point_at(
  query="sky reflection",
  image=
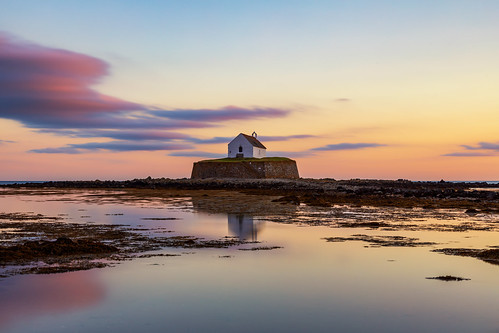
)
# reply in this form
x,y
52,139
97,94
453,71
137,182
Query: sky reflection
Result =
x,y
27,297
308,285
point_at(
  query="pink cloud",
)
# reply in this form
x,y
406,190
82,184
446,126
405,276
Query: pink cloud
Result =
x,y
226,113
46,87
52,90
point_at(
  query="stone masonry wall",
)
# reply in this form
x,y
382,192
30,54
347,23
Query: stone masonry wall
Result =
x,y
245,169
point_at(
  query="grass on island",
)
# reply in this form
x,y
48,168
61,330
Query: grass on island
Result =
x,y
251,159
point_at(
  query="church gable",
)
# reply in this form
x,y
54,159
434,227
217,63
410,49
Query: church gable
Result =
x,y
246,146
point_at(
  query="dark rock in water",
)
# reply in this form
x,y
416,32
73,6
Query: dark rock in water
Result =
x,y
396,241
262,248
373,225
292,199
249,168
472,211
61,247
317,200
488,255
448,278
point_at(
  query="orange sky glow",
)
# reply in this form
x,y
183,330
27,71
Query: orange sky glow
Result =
x,y
343,91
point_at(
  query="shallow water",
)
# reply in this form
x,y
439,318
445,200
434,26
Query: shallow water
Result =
x,y
307,285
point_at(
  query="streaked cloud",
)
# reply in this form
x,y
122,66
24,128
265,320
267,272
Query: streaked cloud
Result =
x,y
342,100
46,87
218,155
132,140
285,137
481,149
348,146
6,141
59,150
468,154
217,139
51,90
223,114
138,135
294,154
262,138
483,146
197,154
116,146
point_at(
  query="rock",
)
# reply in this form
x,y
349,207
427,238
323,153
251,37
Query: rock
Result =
x,y
488,255
292,199
447,278
63,246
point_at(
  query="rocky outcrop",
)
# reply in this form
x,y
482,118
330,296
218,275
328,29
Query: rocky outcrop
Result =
x,y
245,168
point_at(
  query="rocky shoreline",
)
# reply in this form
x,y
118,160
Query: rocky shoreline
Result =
x,y
475,196
381,205
39,244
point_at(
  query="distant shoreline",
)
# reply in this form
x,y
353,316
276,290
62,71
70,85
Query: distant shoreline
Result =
x,y
474,196
167,182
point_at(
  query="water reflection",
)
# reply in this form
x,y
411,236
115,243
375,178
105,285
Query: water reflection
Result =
x,y
24,297
343,286
244,227
217,202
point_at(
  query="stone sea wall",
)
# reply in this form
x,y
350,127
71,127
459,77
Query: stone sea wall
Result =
x,y
252,169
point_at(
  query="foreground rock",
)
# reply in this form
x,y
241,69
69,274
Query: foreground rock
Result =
x,y
448,278
388,241
63,246
488,255
475,197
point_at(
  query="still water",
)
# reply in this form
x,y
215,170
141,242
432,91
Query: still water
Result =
x,y
307,285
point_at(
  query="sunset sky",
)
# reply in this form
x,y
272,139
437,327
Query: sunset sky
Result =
x,y
350,89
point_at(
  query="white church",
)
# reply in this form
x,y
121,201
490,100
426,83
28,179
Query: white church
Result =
x,y
246,146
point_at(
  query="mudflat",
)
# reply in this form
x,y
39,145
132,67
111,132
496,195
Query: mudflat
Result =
x,y
475,196
37,243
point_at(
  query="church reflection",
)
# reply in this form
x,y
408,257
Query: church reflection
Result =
x,y
244,227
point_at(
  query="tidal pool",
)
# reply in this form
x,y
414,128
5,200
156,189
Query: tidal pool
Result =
x,y
301,283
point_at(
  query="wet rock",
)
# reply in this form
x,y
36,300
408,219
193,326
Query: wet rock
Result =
x,y
448,278
372,225
190,242
262,248
319,192
291,199
63,268
382,240
318,200
488,255
63,246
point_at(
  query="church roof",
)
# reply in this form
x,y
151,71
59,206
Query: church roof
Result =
x,y
254,141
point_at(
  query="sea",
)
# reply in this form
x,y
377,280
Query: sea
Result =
x,y
316,270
